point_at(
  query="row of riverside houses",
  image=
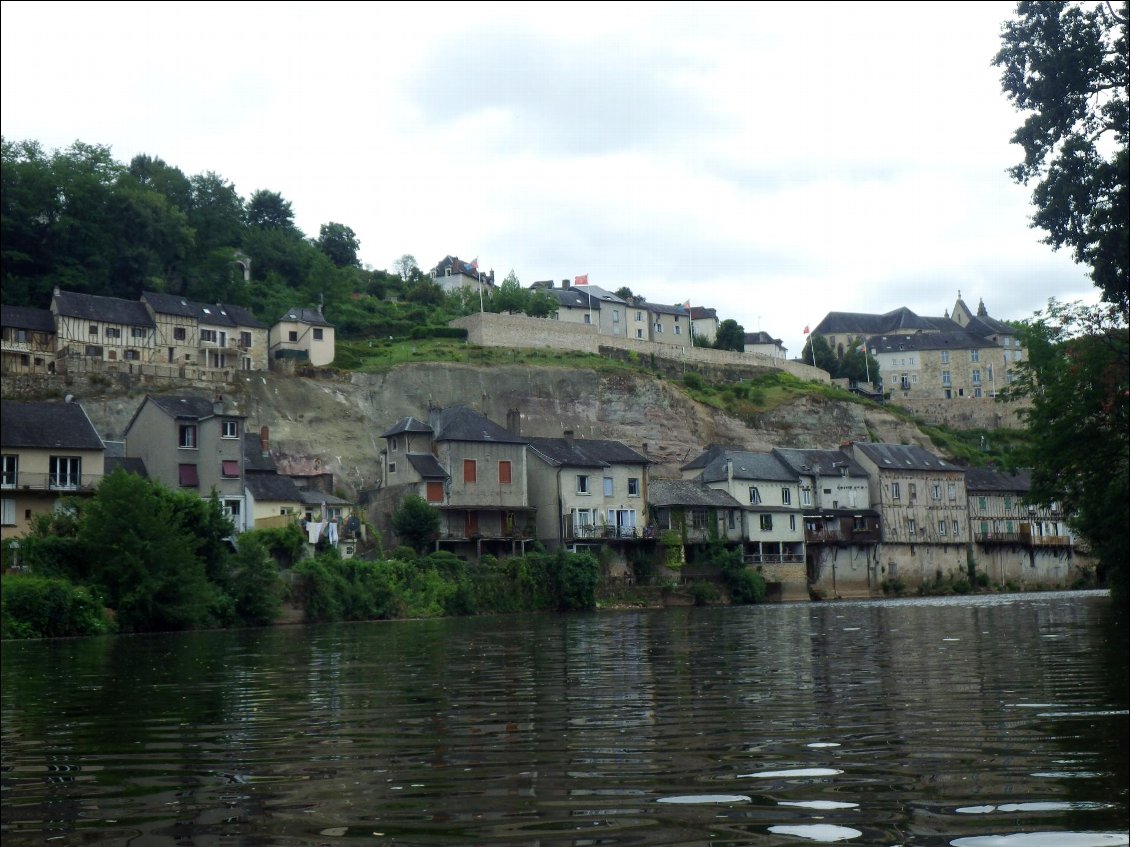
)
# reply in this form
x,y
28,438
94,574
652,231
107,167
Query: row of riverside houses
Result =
x,y
160,332
838,522
185,442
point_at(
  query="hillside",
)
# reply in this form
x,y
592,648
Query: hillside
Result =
x,y
334,424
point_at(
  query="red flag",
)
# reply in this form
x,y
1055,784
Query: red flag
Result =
x,y
583,279
687,305
806,330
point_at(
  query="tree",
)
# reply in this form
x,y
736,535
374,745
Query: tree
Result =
x,y
624,293
510,297
268,210
416,522
405,266
1077,380
731,336
825,357
1066,64
340,243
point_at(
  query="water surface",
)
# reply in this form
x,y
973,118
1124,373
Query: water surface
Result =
x,y
982,722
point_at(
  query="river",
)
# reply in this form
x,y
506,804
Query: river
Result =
x,y
978,722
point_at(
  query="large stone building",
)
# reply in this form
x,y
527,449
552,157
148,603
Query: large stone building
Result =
x,y
965,354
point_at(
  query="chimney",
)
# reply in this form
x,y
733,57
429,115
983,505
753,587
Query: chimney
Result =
x,y
568,435
218,404
729,470
565,283
265,441
514,422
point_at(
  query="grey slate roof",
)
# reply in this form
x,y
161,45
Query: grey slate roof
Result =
x,y
701,312
317,498
992,481
760,338
706,457
571,298
219,314
427,466
408,424
460,423
182,405
862,323
958,340
586,452
46,426
129,464
306,316
823,462
25,317
272,486
106,309
242,316
904,457
688,492
253,459
663,309
751,466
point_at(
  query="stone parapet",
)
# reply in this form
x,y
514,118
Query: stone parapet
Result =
x,y
491,330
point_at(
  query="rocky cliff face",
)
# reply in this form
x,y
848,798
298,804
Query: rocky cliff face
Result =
x,y
335,424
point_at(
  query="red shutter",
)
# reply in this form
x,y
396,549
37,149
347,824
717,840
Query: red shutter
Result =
x,y
470,472
504,472
435,492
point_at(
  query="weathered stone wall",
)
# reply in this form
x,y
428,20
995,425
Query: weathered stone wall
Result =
x,y
966,412
786,583
490,330
845,572
1024,567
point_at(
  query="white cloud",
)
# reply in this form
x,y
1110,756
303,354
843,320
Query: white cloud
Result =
x,y
775,161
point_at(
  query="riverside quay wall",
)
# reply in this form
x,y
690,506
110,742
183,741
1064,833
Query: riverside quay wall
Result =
x,y
491,330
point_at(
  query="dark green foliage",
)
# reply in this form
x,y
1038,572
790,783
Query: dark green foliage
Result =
x,y
731,336
1066,65
575,577
852,362
43,607
693,381
255,584
704,593
339,243
745,586
285,544
416,522
1077,379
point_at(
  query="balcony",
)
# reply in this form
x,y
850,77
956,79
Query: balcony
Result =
x,y
1024,538
593,532
61,483
774,559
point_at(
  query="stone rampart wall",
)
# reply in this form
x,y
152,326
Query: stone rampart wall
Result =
x,y
491,330
965,412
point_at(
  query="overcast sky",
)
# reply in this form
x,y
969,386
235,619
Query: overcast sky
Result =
x,y
775,161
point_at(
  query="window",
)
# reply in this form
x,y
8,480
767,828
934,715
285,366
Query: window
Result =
x,y
435,491
858,524
582,484
941,527
188,436
138,332
187,476
658,328
66,471
639,316
977,376
1008,504
392,467
786,497
974,355
318,334
639,333
633,486
945,357
949,394
113,332
292,335
806,496
94,351
92,330
678,329
588,317
229,468
10,470
615,316
912,490
731,520
981,503
766,523
946,380
977,391
608,486
698,518
911,527
8,512
179,333
470,471
131,356
792,522
951,490
229,429
233,508
393,444
504,472
956,528
245,340
896,493
208,336
936,491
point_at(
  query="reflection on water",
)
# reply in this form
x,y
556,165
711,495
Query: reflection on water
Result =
x,y
972,721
